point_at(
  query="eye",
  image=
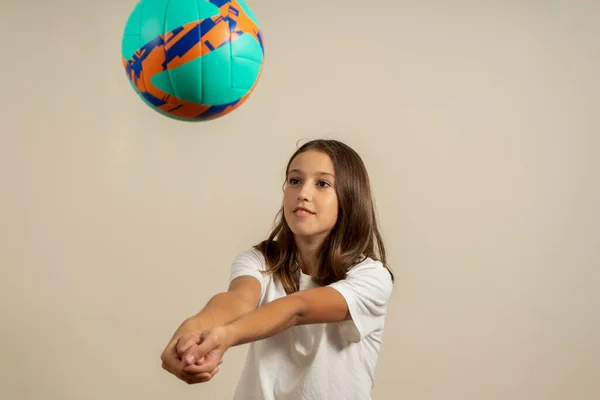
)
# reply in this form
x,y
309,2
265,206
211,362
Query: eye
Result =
x,y
324,184
293,181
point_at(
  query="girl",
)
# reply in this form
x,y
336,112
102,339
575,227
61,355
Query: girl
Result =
x,y
311,299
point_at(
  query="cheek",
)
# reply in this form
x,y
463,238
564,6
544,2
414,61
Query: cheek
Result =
x,y
289,201
332,206
288,197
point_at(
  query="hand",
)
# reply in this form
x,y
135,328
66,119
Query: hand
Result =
x,y
174,352
186,342
206,356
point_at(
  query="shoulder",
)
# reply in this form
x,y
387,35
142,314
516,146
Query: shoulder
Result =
x,y
367,289
371,270
251,257
248,262
368,278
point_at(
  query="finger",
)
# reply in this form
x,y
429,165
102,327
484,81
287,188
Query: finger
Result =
x,y
169,351
207,364
170,362
208,377
174,372
211,375
173,368
202,365
197,353
203,377
180,375
190,359
195,369
186,343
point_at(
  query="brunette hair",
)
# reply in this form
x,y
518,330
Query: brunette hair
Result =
x,y
355,235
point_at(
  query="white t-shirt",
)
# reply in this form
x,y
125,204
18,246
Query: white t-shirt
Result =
x,y
334,361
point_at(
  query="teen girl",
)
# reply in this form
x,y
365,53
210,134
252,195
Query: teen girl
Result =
x,y
310,300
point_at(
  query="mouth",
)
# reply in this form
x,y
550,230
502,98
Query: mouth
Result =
x,y
302,212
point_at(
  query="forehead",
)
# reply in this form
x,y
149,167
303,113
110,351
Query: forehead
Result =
x,y
312,162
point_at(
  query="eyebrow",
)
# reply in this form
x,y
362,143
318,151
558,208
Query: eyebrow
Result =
x,y
317,173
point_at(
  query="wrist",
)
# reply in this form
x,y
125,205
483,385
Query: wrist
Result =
x,y
230,336
188,326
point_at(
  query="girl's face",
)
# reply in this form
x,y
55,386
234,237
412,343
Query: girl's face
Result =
x,y
310,201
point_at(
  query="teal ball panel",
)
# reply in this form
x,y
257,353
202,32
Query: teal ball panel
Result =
x,y
193,59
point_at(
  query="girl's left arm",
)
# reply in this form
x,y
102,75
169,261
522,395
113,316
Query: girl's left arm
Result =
x,y
311,306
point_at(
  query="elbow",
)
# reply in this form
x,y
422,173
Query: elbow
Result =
x,y
300,310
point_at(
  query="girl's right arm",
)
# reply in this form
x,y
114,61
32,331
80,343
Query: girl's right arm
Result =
x,y
241,298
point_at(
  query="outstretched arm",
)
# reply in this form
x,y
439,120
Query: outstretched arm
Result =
x,y
240,299
319,305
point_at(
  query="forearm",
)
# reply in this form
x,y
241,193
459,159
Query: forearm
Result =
x,y
266,321
221,309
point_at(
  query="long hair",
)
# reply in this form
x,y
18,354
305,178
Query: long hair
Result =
x,y
354,236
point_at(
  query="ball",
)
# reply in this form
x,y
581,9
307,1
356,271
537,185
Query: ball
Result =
x,y
193,60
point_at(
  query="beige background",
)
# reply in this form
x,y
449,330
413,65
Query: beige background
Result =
x,y
478,122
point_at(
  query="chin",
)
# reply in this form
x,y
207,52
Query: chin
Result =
x,y
302,229
302,232
299,231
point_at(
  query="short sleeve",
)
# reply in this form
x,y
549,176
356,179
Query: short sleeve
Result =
x,y
367,289
251,262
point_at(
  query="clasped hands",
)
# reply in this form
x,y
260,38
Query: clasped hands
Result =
x,y
195,357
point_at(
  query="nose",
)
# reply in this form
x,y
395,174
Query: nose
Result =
x,y
304,194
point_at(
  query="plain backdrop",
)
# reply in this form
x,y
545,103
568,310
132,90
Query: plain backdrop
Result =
x,y
478,122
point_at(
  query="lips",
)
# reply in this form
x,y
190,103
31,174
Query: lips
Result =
x,y
302,210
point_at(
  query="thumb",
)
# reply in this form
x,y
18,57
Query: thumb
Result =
x,y
195,355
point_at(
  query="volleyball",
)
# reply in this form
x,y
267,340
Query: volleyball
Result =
x,y
193,60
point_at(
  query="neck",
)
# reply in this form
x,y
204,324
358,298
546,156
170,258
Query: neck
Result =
x,y
308,254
